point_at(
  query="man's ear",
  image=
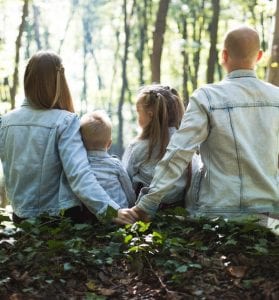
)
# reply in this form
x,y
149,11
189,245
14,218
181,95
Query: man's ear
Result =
x,y
225,56
259,55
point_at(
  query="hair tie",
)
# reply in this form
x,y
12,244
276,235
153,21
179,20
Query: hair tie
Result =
x,y
155,94
60,70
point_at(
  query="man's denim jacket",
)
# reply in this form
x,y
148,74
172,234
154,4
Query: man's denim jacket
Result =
x,y
235,126
45,163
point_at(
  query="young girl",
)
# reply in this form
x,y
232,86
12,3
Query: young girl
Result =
x,y
159,111
45,164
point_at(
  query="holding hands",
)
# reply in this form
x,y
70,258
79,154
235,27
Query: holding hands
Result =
x,y
131,215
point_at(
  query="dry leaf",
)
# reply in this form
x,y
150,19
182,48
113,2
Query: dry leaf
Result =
x,y
106,292
237,271
91,285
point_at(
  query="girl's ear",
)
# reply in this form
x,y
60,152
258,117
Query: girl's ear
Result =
x,y
150,114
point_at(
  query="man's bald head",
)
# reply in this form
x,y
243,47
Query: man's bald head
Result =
x,y
242,44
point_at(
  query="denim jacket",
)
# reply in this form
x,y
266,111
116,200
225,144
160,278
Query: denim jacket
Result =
x,y
235,123
141,171
112,177
45,163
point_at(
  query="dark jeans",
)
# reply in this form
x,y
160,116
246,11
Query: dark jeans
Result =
x,y
77,214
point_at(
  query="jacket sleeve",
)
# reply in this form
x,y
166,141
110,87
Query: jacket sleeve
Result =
x,y
77,169
130,160
127,185
183,144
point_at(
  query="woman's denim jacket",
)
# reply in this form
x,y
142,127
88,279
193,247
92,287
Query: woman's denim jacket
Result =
x,y
235,126
44,160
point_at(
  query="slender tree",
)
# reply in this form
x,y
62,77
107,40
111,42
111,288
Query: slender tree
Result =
x,y
198,28
142,35
273,67
185,56
74,6
158,40
124,87
18,45
36,25
213,56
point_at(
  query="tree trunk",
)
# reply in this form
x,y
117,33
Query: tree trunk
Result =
x,y
185,92
18,44
196,58
114,71
36,26
158,40
119,146
213,41
273,67
69,20
142,17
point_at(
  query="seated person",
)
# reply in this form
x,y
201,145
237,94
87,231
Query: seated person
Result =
x,y
96,135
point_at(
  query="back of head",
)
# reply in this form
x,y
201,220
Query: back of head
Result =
x,y
96,130
167,111
45,85
242,44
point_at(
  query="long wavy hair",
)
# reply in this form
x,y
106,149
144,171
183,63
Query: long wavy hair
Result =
x,y
167,111
45,85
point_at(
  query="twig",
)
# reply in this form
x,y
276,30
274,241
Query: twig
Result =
x,y
164,286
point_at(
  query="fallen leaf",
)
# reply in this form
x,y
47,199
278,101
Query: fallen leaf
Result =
x,y
91,285
106,292
237,271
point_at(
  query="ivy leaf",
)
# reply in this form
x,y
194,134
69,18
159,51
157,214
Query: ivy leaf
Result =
x,y
4,218
182,269
110,214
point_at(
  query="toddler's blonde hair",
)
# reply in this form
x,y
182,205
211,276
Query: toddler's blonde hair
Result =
x,y
96,130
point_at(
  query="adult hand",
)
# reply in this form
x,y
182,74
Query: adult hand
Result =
x,y
126,216
141,214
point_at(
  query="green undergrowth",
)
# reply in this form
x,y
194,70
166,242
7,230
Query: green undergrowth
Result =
x,y
41,256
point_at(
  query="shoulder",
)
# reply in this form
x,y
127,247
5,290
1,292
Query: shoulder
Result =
x,y
138,145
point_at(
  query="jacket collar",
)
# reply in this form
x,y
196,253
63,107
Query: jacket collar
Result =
x,y
99,153
25,102
241,73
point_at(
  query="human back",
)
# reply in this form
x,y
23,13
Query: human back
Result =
x,y
160,111
235,125
44,161
241,155
96,130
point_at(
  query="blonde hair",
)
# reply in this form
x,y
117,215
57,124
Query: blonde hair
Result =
x,y
167,109
45,85
95,130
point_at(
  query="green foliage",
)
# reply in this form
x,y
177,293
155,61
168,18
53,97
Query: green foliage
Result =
x,y
39,252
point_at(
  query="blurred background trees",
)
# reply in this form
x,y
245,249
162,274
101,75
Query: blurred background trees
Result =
x,y
111,48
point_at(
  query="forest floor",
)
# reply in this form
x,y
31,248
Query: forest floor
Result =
x,y
174,257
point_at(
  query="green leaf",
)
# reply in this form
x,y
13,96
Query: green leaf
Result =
x,y
55,245
182,269
128,238
67,267
110,214
4,218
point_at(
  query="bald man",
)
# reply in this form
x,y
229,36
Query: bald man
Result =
x,y
235,126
